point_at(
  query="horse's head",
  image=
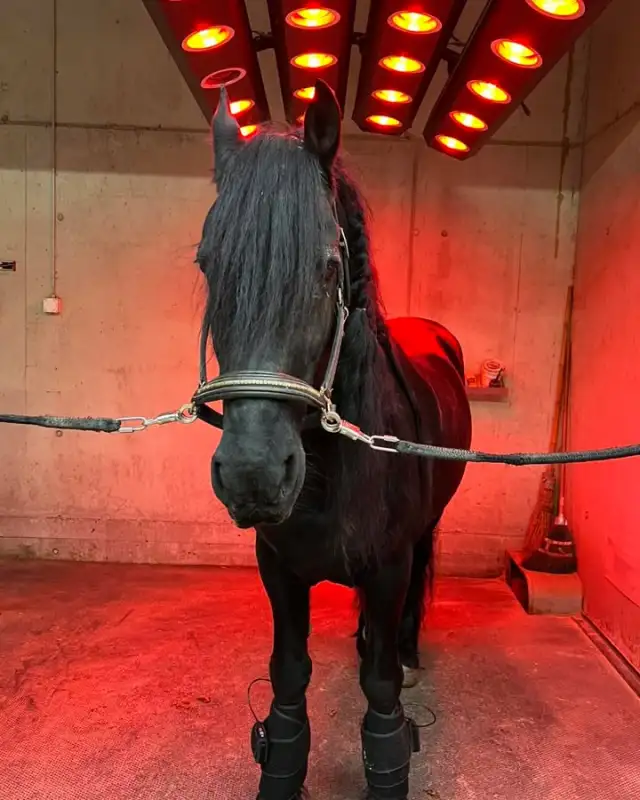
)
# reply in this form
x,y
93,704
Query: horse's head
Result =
x,y
271,254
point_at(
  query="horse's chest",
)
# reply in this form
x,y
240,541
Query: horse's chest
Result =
x,y
310,549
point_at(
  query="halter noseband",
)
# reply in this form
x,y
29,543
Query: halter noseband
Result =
x,y
263,385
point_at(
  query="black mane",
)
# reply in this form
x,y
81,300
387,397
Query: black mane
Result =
x,y
365,394
268,211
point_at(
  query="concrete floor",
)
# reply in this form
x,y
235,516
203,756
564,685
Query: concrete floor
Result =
x,y
121,682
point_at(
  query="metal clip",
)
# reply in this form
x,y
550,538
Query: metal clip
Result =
x,y
185,415
132,428
343,243
354,433
332,422
384,444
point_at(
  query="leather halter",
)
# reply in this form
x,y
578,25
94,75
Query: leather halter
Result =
x,y
261,385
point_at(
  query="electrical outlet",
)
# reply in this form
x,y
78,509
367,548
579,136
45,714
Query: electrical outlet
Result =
x,y
52,305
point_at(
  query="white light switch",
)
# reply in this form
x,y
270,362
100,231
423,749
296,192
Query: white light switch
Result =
x,y
52,305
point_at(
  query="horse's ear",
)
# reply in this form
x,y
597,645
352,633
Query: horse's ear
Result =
x,y
226,134
322,124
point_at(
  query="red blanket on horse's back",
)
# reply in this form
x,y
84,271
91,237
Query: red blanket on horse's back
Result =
x,y
430,359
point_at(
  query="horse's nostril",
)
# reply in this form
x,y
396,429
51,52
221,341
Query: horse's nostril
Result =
x,y
289,474
217,474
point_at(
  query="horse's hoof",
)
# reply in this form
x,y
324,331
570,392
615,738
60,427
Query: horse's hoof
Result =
x,y
410,677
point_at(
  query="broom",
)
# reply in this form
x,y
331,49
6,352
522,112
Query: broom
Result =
x,y
556,554
542,514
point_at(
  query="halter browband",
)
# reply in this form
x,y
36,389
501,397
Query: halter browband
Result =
x,y
263,385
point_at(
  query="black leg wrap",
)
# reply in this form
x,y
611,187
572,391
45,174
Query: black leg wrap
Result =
x,y
387,744
281,746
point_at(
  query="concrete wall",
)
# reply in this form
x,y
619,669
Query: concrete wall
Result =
x,y
486,247
604,504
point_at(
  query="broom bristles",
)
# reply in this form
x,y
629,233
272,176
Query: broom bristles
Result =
x,y
542,514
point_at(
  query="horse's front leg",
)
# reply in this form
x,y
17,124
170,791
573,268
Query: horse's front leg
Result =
x,y
283,757
388,739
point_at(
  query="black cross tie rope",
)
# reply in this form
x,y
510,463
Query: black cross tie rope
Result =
x,y
185,414
332,423
515,459
95,424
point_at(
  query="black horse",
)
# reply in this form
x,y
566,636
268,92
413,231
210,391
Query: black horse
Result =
x,y
284,243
